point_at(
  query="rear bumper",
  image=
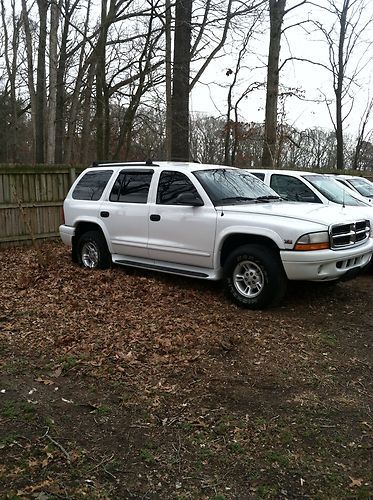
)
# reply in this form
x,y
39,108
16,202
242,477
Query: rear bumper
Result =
x,y
67,233
326,265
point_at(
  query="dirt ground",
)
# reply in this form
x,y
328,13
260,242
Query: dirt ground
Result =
x,y
125,384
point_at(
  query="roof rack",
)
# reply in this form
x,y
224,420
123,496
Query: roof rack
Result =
x,y
147,163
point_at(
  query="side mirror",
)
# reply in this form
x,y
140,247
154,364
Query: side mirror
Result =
x,y
189,199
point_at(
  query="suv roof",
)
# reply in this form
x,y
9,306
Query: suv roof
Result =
x,y
281,171
164,164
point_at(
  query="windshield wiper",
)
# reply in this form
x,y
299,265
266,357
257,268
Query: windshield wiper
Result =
x,y
268,198
237,198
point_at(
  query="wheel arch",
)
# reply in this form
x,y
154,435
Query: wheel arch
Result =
x,y
233,241
81,228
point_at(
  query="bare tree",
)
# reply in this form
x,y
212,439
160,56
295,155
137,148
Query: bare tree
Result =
x,y
180,91
211,33
11,45
277,12
342,39
168,75
51,125
41,83
363,134
30,70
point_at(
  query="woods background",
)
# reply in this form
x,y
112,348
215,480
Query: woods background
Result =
x,y
91,80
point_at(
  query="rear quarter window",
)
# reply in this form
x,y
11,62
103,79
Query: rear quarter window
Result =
x,y
92,185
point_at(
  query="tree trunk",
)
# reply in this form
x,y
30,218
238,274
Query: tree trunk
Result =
x,y
339,87
86,121
51,127
11,67
30,73
100,84
180,94
168,27
40,82
276,12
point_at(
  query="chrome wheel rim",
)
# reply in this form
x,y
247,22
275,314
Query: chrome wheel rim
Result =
x,y
90,256
248,279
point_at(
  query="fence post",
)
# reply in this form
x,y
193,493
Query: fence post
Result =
x,y
72,175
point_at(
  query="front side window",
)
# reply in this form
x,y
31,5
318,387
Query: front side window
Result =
x,y
333,190
131,187
292,189
173,184
92,185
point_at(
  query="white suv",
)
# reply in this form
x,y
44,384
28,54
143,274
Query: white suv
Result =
x,y
209,222
303,186
358,184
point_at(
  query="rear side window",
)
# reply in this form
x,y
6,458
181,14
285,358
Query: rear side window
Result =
x,y
92,185
132,187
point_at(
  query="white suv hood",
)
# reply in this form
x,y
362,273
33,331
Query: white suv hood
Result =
x,y
311,212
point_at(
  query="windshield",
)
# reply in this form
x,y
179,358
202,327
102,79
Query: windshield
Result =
x,y
333,190
364,186
226,186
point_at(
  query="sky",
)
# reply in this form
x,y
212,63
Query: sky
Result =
x,y
209,96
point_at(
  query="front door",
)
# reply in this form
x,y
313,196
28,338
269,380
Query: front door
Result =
x,y
181,233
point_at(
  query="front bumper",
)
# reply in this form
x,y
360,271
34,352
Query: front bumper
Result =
x,y
67,233
326,265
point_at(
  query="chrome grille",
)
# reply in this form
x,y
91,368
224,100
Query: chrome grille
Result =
x,y
347,235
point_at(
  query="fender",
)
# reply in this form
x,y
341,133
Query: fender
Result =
x,y
246,231
97,222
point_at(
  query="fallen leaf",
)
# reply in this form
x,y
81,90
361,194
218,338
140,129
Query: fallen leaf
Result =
x,y
355,482
44,381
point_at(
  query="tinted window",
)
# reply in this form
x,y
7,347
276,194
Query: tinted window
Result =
x,y
171,184
132,187
292,189
92,185
260,175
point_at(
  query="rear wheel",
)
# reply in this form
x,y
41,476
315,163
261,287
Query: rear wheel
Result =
x,y
254,277
92,251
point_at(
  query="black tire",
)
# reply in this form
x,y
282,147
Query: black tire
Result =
x,y
92,251
263,282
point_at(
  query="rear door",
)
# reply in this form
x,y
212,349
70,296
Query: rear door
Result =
x,y
126,212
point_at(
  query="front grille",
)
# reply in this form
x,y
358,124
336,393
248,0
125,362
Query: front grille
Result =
x,y
347,235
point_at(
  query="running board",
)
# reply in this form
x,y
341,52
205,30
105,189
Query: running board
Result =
x,y
165,269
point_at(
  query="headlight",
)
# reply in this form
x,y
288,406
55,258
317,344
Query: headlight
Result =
x,y
313,241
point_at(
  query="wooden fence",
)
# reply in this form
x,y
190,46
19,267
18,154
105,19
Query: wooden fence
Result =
x,y
31,199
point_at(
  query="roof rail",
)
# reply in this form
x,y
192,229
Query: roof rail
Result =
x,y
147,163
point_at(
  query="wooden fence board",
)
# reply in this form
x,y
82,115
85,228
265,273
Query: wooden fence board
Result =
x,y
39,191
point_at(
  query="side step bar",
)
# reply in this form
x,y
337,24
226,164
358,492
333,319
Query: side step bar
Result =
x,y
165,269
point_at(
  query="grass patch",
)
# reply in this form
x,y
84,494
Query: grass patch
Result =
x,y
18,410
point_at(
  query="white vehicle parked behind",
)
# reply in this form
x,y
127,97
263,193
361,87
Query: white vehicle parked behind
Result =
x,y
358,184
305,186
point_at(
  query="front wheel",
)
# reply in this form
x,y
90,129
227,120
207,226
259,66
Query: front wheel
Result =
x,y
92,251
254,277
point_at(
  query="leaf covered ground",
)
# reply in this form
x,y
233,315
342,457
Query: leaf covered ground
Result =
x,y
127,384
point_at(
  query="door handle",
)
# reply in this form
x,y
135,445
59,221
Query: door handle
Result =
x,y
104,214
155,217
